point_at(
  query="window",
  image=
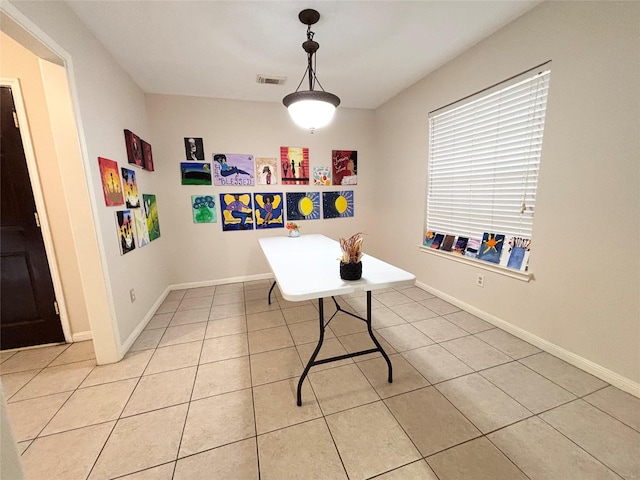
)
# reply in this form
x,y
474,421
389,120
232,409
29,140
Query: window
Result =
x,y
484,156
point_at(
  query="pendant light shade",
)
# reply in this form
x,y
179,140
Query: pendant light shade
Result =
x,y
311,108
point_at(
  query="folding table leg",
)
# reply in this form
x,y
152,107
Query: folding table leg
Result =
x,y
315,352
271,290
375,340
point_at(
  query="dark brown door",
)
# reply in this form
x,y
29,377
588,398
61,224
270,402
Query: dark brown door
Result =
x,y
28,316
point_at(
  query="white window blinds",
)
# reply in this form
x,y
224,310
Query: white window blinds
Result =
x,y
484,156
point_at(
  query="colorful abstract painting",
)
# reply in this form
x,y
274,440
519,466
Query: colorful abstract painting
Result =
x,y
337,204
269,210
237,211
134,149
111,186
126,231
322,176
204,209
460,246
141,227
303,205
267,170
131,197
294,164
428,238
195,173
491,247
151,212
437,241
232,169
194,149
515,253
344,167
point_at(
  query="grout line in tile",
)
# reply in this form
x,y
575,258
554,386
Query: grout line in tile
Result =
x,y
579,446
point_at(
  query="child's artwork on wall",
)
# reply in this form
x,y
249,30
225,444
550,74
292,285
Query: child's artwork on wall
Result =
x,y
344,166
473,245
267,171
428,238
126,233
194,149
437,241
337,204
237,211
322,176
269,210
111,186
141,227
491,247
233,169
131,197
134,149
195,173
204,209
460,246
516,253
303,205
151,212
147,156
294,163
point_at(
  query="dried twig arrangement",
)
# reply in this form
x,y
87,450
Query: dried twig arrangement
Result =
x,y
351,248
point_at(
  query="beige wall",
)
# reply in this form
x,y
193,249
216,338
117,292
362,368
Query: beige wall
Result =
x,y
204,252
18,62
584,299
585,295
106,101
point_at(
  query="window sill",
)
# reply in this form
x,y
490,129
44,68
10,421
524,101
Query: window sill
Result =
x,y
522,276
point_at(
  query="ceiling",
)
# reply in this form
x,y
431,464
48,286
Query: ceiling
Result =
x,y
369,50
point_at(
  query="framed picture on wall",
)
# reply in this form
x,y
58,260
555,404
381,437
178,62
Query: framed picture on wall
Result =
x,y
134,149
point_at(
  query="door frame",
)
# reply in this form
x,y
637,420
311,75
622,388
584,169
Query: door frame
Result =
x,y
36,188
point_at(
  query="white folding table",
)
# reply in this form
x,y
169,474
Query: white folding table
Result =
x,y
308,267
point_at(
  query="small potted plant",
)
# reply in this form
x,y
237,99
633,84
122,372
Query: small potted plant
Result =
x,y
293,229
350,262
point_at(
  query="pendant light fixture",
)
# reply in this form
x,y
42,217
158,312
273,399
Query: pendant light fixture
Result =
x,y
311,108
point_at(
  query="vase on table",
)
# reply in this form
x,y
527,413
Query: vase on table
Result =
x,y
294,233
351,271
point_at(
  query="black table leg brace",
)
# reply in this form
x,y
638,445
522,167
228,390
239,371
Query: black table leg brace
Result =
x,y
313,361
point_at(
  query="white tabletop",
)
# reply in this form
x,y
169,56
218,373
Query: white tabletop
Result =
x,y
308,267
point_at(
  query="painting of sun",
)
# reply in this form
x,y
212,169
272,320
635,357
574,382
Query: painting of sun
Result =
x,y
337,204
303,205
491,247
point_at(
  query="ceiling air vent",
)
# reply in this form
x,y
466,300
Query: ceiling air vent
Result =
x,y
270,80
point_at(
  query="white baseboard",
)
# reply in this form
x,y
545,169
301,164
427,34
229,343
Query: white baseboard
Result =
x,y
180,286
210,283
124,348
82,336
594,369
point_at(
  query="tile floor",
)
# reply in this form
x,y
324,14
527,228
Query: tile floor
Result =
x,y
208,392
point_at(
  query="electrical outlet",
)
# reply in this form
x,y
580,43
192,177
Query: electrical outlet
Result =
x,y
132,294
480,280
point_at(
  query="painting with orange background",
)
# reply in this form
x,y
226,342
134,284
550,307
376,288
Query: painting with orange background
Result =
x,y
111,186
294,165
